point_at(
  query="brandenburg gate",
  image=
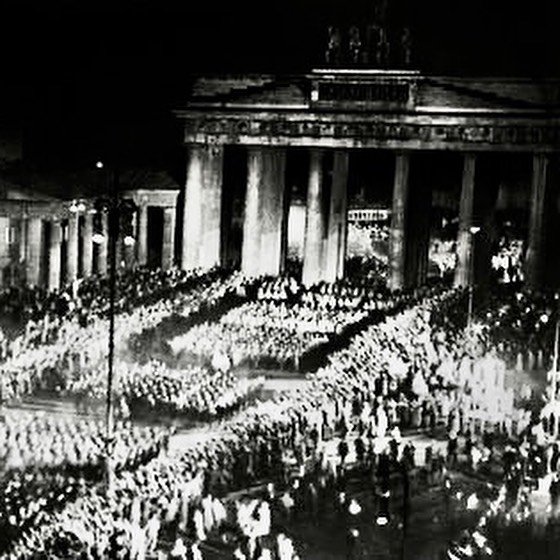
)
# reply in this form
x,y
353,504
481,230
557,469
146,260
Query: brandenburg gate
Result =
x,y
332,112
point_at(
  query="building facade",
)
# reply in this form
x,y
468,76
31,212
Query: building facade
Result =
x,y
331,114
50,241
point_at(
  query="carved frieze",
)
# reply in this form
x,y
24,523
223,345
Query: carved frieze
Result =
x,y
283,130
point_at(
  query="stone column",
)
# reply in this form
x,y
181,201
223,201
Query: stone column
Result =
x,y
272,211
103,246
192,209
142,237
250,252
87,251
418,232
168,246
55,256
315,221
128,251
535,257
423,248
336,231
128,255
211,199
398,231
72,248
23,238
34,251
202,209
465,241
4,245
264,211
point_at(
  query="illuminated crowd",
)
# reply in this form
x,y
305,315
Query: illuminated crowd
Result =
x,y
394,364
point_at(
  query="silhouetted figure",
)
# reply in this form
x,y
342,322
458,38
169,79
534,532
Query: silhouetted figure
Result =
x,y
355,45
406,48
332,55
382,49
380,11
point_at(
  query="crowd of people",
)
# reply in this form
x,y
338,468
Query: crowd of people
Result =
x,y
520,324
284,324
48,460
442,253
32,313
196,392
508,261
413,366
253,444
73,348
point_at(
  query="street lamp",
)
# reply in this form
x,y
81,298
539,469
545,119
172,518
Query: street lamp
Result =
x,y
120,214
129,241
554,372
473,230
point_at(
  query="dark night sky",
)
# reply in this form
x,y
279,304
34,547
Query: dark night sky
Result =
x,y
80,71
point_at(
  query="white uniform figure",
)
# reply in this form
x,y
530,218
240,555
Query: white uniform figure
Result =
x,y
264,517
382,422
199,526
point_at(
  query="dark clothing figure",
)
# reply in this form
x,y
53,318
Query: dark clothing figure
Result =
x,y
360,449
332,55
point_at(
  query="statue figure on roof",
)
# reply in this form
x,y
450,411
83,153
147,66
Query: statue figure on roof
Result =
x,y
406,48
355,45
380,12
332,54
382,49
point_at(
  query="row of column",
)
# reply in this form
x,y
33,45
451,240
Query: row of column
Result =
x,y
475,210
35,259
325,229
266,212
140,250
39,265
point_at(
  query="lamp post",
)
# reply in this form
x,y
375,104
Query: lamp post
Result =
x,y
554,373
119,213
473,230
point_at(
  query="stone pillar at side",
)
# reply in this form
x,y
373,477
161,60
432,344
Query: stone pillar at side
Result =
x,y
251,249
103,246
265,201
87,253
315,221
168,245
465,240
34,251
142,247
398,230
55,255
336,239
203,207
4,246
535,258
211,200
72,249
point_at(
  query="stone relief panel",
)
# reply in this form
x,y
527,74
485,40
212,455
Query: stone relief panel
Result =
x,y
283,130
